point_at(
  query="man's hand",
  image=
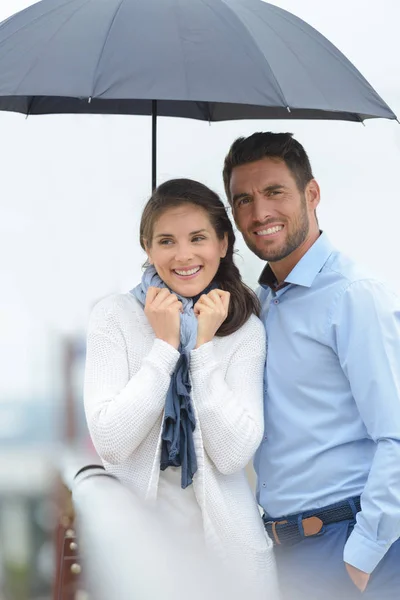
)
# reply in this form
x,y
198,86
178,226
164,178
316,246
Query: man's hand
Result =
x,y
359,578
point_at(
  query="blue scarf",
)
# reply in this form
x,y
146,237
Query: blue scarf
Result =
x,y
177,446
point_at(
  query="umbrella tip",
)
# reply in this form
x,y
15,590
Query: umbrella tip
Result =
x,y
288,109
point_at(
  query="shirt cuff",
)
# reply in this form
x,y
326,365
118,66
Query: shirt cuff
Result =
x,y
362,553
202,356
163,356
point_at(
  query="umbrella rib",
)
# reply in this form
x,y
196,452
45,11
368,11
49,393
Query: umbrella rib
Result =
x,y
327,47
104,46
29,8
205,109
258,50
294,54
176,13
30,22
49,40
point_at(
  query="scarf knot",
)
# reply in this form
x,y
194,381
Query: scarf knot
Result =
x,y
177,445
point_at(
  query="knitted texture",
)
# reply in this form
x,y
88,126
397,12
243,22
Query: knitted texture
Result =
x,y
177,447
127,377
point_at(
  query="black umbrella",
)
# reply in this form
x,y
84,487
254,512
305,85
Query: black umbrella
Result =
x,y
213,60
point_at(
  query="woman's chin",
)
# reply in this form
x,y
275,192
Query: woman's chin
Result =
x,y
189,288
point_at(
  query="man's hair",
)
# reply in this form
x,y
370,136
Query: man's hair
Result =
x,y
268,145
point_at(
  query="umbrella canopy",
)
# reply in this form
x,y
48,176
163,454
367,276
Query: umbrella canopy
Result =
x,y
204,59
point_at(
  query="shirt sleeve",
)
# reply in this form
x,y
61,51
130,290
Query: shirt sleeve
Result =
x,y
229,402
367,324
121,408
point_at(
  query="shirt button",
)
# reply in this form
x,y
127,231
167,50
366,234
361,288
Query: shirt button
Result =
x,y
264,484
276,301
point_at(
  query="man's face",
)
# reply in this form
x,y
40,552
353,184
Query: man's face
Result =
x,y
271,213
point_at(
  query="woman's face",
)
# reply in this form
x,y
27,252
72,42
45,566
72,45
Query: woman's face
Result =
x,y
185,249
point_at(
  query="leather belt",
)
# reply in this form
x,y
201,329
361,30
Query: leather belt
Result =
x,y
293,529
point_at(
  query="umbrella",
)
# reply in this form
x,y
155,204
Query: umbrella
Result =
x,y
213,60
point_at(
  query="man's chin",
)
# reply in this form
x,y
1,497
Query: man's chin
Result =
x,y
268,255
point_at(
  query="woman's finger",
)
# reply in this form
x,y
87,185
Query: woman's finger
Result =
x,y
180,306
225,299
168,301
216,298
163,294
207,301
152,292
203,307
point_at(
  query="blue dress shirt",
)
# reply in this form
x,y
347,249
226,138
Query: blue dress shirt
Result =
x,y
332,398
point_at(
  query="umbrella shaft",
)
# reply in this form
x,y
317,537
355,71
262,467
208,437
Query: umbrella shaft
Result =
x,y
154,145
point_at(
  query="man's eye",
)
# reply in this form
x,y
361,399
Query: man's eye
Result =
x,y
243,201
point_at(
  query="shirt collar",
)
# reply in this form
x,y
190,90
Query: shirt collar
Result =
x,y
306,269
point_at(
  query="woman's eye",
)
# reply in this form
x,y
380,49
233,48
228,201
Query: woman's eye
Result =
x,y
165,242
198,238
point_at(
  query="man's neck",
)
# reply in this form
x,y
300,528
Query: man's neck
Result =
x,y
282,268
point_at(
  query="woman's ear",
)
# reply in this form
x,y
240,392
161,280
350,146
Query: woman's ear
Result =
x,y
148,252
224,245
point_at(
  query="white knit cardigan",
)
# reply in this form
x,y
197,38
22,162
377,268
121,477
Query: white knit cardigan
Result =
x,y
127,377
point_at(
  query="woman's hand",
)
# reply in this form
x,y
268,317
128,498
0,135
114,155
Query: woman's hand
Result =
x,y
163,312
211,311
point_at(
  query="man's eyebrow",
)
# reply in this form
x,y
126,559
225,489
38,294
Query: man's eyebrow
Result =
x,y
273,187
269,188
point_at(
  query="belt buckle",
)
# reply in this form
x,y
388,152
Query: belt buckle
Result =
x,y
311,526
274,532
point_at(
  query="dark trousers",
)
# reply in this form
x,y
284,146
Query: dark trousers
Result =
x,y
313,569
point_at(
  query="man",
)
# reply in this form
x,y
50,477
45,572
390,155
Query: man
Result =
x,y
329,465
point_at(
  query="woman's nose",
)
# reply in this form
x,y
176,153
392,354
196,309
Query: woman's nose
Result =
x,y
184,253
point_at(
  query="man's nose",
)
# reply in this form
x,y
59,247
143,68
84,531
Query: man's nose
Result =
x,y
261,209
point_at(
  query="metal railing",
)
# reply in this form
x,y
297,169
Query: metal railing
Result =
x,y
110,546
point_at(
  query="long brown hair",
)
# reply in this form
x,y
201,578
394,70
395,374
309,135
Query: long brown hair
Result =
x,y
175,192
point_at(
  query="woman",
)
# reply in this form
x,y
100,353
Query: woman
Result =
x,y
174,379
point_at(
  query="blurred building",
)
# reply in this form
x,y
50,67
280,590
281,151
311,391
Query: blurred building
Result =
x,y
34,434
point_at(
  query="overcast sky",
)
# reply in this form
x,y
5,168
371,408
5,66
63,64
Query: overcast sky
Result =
x,y
72,188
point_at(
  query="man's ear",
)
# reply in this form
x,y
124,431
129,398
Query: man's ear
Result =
x,y
313,195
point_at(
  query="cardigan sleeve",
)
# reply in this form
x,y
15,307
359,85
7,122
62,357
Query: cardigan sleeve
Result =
x,y
229,402
122,408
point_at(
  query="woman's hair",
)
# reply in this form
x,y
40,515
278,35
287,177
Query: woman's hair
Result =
x,y
175,192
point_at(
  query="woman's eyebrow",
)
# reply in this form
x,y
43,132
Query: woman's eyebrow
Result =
x,y
172,235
